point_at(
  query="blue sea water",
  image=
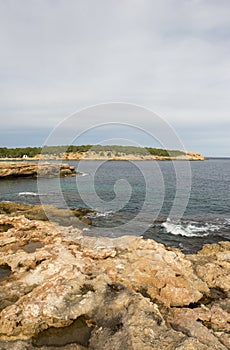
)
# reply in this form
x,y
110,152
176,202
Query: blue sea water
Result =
x,y
182,204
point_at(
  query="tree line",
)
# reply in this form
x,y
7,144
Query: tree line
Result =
x,y
30,152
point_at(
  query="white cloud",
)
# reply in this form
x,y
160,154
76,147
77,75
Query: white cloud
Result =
x,y
171,56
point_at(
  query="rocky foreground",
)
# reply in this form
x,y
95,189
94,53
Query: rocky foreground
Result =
x,y
61,289
25,169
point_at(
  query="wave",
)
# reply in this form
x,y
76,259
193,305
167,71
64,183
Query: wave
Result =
x,y
189,230
99,214
28,194
34,194
82,174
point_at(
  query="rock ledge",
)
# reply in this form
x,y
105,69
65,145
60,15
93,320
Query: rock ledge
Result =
x,y
25,169
69,291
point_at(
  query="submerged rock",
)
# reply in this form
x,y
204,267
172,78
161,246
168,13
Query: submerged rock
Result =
x,y
66,217
77,292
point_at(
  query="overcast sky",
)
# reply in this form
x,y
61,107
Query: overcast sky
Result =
x,y
170,56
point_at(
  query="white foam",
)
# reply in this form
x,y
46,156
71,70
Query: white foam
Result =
x,y
189,230
99,214
34,194
28,194
82,174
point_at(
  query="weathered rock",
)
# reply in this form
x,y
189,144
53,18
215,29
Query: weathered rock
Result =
x,y
71,291
212,264
25,169
191,324
112,155
66,217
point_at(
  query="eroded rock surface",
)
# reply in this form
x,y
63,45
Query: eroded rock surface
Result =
x,y
75,217
25,169
70,291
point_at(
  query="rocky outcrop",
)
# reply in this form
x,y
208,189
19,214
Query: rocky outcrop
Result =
x,y
69,291
78,218
25,169
194,156
110,155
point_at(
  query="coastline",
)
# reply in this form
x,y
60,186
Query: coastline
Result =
x,y
107,155
96,152
33,170
64,289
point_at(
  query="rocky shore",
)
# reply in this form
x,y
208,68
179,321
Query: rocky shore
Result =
x,y
62,289
26,169
78,218
92,155
109,155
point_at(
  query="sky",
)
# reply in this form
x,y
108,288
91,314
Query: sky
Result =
x,y
61,56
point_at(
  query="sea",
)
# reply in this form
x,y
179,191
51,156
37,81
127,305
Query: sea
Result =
x,y
183,204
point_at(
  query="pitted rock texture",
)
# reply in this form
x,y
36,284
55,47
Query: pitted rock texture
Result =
x,y
69,291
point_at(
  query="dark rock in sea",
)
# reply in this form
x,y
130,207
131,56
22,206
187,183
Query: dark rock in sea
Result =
x,y
66,217
74,292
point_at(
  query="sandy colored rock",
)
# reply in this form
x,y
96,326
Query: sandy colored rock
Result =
x,y
112,155
26,169
126,293
212,264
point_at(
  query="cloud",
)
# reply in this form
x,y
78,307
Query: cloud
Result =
x,y
170,56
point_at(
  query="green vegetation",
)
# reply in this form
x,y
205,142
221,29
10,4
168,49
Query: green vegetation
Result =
x,y
19,152
33,151
164,152
102,150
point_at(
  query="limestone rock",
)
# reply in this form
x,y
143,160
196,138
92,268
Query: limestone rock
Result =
x,y
66,217
212,264
69,291
25,169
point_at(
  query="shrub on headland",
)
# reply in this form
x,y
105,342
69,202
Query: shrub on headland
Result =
x,y
30,152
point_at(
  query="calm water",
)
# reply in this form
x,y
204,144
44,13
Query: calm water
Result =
x,y
152,199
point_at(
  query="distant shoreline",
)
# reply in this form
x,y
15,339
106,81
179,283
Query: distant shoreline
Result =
x,y
95,152
104,159
95,156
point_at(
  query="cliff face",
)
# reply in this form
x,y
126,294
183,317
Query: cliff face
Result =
x,y
195,156
110,155
25,169
59,288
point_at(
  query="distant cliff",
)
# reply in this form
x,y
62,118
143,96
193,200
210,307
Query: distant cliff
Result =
x,y
93,155
97,152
